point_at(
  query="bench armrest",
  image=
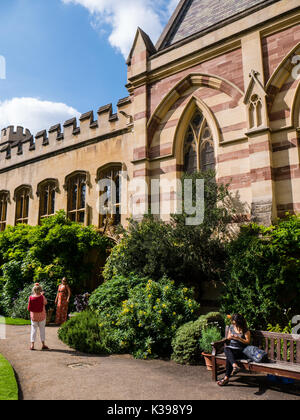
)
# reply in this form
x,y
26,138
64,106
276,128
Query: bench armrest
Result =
x,y
218,346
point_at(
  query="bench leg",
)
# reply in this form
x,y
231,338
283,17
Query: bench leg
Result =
x,y
214,369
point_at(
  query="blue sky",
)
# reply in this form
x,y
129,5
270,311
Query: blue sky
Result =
x,y
66,57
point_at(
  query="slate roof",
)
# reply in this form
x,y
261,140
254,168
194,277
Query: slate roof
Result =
x,y
194,16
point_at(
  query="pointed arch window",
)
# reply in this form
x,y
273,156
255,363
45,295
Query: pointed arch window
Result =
x,y
112,203
198,148
22,197
76,186
255,111
4,197
47,193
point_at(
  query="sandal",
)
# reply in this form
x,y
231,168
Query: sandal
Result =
x,y
223,382
45,348
236,371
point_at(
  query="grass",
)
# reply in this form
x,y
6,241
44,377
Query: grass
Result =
x,y
14,321
8,384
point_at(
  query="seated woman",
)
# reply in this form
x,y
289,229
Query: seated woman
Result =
x,y
239,337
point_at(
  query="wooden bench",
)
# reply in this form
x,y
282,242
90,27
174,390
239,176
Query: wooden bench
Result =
x,y
283,352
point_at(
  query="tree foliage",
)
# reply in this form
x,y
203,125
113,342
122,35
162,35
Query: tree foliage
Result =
x,y
186,344
142,315
58,248
189,254
263,273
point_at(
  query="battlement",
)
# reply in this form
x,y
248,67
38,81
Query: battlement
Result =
x,y
17,146
9,134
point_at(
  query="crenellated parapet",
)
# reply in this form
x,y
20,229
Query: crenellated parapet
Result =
x,y
12,140
20,145
10,135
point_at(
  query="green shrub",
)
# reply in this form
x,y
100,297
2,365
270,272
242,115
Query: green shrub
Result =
x,y
141,316
263,274
13,282
84,334
209,335
145,249
186,254
58,248
287,329
186,348
281,330
112,293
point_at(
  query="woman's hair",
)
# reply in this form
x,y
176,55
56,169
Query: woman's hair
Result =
x,y
65,279
240,322
37,289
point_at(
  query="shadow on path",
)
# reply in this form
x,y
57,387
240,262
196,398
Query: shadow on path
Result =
x,y
264,385
65,374
20,392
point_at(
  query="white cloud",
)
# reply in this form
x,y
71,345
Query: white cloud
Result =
x,y
172,6
124,16
34,114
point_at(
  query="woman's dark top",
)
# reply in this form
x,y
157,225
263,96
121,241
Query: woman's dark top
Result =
x,y
235,344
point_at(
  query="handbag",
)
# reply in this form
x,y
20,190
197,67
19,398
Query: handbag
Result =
x,y
255,354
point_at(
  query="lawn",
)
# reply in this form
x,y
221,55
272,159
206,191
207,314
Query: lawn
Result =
x,y
8,384
14,321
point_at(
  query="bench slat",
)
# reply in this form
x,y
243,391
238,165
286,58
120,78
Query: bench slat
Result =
x,y
285,355
266,345
292,351
272,343
278,349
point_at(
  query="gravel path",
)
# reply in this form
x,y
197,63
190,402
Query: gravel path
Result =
x,y
63,373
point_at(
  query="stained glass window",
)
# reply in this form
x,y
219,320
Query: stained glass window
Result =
x,y
198,146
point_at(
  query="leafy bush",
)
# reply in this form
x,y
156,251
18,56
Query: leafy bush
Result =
x,y
58,248
186,254
263,273
209,335
145,249
83,333
1,295
186,348
112,293
12,282
282,330
19,307
140,316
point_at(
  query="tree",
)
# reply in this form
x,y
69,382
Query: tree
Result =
x,y
58,248
263,274
189,254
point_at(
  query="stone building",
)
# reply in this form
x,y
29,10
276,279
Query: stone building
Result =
x,y
219,90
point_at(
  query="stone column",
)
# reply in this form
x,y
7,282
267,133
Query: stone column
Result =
x,y
263,206
138,87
